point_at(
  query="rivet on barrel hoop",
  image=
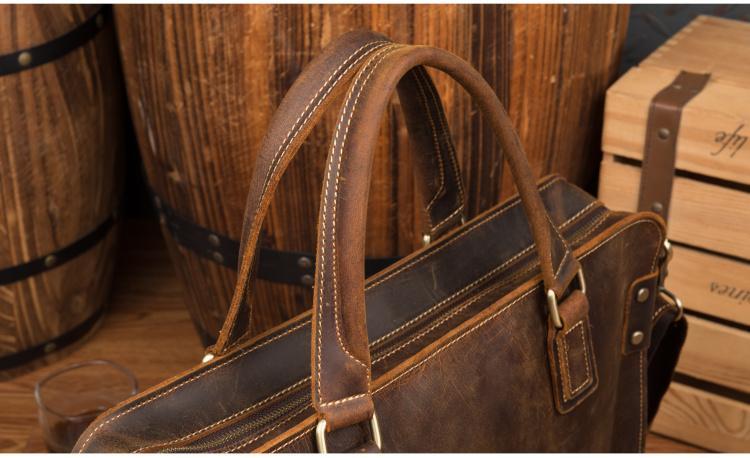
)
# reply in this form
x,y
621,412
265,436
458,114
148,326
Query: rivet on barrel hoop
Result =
x,y
306,280
50,260
213,239
217,257
50,347
24,59
304,262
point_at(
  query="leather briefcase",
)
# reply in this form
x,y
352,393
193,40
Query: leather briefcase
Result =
x,y
539,325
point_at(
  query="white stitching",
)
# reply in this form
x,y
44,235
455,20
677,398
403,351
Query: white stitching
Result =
x,y
449,344
223,420
435,325
293,439
375,45
483,322
491,317
475,282
379,55
469,228
254,228
191,379
572,390
269,430
454,312
451,154
436,143
592,250
403,345
344,400
565,246
448,140
501,311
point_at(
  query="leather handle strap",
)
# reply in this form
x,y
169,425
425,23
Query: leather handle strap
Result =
x,y
303,105
340,352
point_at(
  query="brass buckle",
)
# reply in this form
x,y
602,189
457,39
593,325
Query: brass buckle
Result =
x,y
554,312
675,301
320,433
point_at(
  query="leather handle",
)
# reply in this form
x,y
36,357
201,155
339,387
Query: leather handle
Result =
x,y
303,105
340,352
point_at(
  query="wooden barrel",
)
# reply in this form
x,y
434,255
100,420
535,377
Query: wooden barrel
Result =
x,y
61,97
203,82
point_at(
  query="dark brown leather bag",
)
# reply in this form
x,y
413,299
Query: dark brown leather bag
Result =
x,y
539,325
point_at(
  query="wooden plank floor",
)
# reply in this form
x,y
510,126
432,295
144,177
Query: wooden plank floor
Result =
x,y
147,329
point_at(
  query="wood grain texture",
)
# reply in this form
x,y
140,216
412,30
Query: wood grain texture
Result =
x,y
701,214
716,353
714,125
147,329
705,144
147,295
203,82
60,125
711,283
710,209
699,417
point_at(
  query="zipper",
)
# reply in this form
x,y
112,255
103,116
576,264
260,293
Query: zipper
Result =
x,y
489,291
236,434
242,431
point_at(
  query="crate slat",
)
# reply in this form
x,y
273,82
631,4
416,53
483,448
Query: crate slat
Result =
x,y
699,417
716,353
702,214
711,284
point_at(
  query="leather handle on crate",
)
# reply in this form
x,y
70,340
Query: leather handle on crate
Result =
x,y
303,105
660,150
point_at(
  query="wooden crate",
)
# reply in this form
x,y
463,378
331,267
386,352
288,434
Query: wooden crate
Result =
x,y
709,221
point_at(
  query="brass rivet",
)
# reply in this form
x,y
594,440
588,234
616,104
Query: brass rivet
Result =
x,y
217,257
306,280
24,59
642,295
50,347
99,21
636,338
657,207
304,262
426,239
50,260
213,239
207,357
663,133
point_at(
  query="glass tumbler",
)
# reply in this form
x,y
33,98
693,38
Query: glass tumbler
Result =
x,y
71,398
